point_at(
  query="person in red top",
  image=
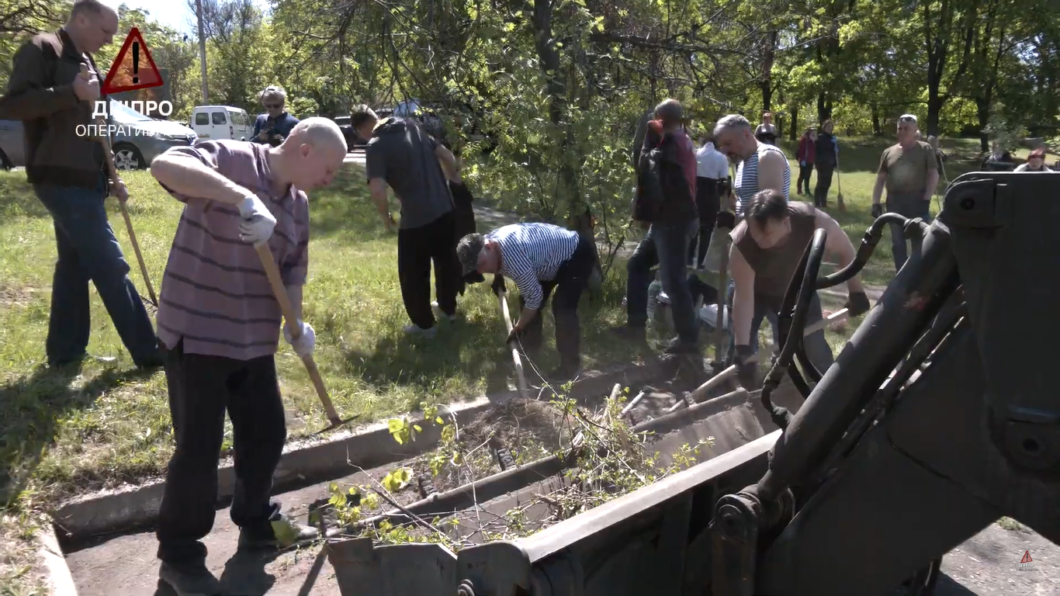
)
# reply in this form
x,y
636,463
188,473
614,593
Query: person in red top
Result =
x,y
671,232
805,155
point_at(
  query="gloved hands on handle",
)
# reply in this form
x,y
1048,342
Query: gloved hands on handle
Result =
x,y
857,304
303,346
257,222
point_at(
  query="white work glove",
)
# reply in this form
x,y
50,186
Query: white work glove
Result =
x,y
257,221
305,343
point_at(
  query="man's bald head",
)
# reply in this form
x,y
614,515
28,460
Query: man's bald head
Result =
x,y
92,24
671,113
313,153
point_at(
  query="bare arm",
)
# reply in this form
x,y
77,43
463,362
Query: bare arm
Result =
x,y
932,182
449,162
377,186
743,300
771,172
28,96
294,293
189,177
877,190
839,247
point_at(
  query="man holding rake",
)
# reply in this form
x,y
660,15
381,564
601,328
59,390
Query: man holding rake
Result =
x,y
219,321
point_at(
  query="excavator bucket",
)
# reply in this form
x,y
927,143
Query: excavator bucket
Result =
x,y
936,419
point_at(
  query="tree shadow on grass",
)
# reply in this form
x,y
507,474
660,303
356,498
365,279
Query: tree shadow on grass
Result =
x,y
17,198
30,409
345,211
461,354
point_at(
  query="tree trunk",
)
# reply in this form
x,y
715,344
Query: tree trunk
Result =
x,y
567,189
792,134
768,57
824,112
982,111
877,128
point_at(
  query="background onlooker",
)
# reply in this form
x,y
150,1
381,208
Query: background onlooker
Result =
x,y
806,155
766,131
1035,162
999,159
827,156
275,124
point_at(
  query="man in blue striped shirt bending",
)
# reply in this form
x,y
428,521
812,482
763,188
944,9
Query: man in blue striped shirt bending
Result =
x,y
539,258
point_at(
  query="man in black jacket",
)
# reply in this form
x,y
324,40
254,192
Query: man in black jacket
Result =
x,y
404,156
48,94
671,231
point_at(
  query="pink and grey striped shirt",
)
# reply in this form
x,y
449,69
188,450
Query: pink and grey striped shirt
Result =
x,y
215,296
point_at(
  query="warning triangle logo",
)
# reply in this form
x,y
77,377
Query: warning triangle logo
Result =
x,y
133,68
1026,558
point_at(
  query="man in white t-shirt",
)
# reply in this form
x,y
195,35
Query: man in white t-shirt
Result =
x,y
712,178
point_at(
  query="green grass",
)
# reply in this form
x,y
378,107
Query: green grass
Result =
x,y
69,432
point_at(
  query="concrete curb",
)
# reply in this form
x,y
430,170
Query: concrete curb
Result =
x,y
137,506
60,581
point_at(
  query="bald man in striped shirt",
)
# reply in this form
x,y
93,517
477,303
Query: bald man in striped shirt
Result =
x,y
220,323
539,258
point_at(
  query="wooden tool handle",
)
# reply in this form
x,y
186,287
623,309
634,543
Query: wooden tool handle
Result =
x,y
503,298
837,316
112,171
280,291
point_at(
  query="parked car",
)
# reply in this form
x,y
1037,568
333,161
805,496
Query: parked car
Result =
x,y
222,122
137,139
12,150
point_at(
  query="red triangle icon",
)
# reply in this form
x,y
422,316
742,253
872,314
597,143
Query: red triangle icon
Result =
x,y
1026,557
133,68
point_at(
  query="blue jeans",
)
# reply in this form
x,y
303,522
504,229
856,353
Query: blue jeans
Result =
x,y
817,347
910,206
88,250
667,246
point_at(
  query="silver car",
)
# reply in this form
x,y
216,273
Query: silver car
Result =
x,y
137,139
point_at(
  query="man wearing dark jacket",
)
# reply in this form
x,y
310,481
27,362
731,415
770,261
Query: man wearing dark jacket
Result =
x,y
402,155
671,231
827,157
48,94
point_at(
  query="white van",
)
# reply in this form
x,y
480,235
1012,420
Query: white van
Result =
x,y
222,122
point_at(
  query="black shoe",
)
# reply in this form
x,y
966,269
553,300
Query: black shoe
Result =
x,y
285,533
632,333
564,373
679,346
189,579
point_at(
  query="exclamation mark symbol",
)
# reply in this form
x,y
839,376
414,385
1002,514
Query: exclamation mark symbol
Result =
x,y
136,62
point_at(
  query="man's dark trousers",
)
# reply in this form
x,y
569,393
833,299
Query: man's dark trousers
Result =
x,y
417,248
817,348
824,184
201,389
88,250
708,201
907,205
571,279
665,244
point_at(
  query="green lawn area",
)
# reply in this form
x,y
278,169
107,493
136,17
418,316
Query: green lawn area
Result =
x,y
69,432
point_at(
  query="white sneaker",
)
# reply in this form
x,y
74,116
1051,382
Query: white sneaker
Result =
x,y
414,329
440,314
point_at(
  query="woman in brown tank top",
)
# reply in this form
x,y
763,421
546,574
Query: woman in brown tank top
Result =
x,y
766,249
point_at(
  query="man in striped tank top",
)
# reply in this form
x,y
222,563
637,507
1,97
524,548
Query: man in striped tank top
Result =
x,y
761,166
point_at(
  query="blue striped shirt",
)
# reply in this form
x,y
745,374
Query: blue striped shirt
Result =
x,y
746,183
532,253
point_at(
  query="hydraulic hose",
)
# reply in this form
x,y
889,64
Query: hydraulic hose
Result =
x,y
868,246
800,293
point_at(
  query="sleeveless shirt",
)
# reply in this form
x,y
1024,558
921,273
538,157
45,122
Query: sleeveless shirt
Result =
x,y
745,185
775,266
